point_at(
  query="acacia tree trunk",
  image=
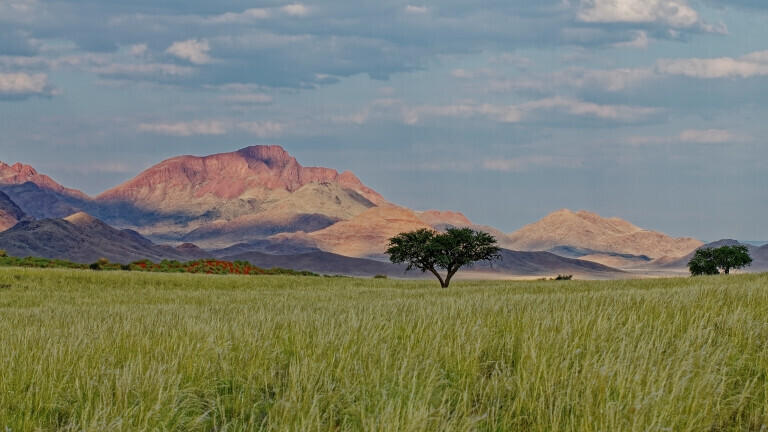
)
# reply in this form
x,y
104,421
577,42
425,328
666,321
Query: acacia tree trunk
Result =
x,y
449,276
443,283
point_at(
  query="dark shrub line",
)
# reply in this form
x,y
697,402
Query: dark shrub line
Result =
x,y
206,266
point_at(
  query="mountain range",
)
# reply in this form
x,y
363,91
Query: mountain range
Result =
x,y
260,201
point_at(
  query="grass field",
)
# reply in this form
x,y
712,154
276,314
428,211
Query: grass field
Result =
x,y
102,351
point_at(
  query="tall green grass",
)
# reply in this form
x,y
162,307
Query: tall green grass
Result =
x,y
96,351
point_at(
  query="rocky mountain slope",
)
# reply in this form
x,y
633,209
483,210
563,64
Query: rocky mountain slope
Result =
x,y
10,213
37,194
588,233
81,238
260,188
367,234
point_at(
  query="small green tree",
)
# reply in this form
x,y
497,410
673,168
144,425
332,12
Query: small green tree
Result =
x,y
709,261
428,250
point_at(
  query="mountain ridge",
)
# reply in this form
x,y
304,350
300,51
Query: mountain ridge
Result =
x,y
259,198
583,230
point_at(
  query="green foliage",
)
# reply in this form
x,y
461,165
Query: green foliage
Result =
x,y
380,276
3,253
709,261
116,351
428,250
564,277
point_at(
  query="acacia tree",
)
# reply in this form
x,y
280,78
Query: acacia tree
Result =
x,y
708,261
428,250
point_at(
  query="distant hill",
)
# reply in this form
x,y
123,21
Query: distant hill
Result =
x,y
367,234
325,263
513,263
10,213
37,194
545,264
81,238
584,233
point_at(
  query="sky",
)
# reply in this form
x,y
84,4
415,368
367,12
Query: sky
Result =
x,y
654,111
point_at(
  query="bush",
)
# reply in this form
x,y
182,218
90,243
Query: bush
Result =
x,y
564,277
380,276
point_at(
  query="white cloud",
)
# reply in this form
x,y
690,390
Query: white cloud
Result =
x,y
192,50
514,59
708,136
262,130
750,65
296,9
477,73
530,111
589,109
694,136
451,165
257,14
640,41
359,117
138,50
386,91
247,15
525,163
248,99
184,129
17,11
22,84
676,14
416,9
150,70
612,80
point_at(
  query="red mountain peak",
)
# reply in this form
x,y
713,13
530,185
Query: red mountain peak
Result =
x,y
20,173
251,172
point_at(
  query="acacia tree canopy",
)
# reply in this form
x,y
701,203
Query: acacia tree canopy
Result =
x,y
428,250
709,261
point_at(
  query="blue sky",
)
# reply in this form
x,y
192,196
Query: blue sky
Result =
x,y
650,110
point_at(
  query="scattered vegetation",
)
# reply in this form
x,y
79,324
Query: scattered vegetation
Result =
x,y
208,266
428,250
120,351
564,277
709,261
380,276
212,266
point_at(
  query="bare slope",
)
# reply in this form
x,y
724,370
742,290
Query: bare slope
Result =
x,y
81,238
367,234
590,232
10,213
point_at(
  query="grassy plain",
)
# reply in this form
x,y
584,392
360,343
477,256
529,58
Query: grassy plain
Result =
x,y
126,351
